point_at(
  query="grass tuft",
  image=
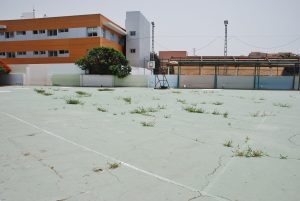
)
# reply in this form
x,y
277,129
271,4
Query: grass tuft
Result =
x,y
194,109
248,153
83,93
225,114
105,89
228,143
143,111
283,157
148,124
217,103
73,101
216,112
127,100
39,91
282,105
181,101
101,109
114,165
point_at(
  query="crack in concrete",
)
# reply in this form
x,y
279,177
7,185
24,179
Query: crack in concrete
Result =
x,y
291,141
195,197
219,165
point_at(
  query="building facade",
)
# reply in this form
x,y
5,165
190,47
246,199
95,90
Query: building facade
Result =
x,y
138,39
57,39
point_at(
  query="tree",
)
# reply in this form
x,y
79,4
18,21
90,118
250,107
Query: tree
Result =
x,y
4,68
105,61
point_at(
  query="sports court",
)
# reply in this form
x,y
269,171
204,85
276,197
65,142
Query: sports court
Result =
x,y
143,144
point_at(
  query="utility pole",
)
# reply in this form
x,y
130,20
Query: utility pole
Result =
x,y
225,42
153,25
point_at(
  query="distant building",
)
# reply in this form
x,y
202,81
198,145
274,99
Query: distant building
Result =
x,y
55,43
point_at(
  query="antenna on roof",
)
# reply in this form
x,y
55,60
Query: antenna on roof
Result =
x,y
33,12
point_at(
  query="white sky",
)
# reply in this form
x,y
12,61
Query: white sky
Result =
x,y
254,25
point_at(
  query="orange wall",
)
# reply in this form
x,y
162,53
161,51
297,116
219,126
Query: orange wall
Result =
x,y
77,47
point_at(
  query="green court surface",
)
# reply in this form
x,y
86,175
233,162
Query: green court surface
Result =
x,y
142,144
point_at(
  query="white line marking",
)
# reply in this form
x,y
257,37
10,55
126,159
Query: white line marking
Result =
x,y
103,155
161,178
5,91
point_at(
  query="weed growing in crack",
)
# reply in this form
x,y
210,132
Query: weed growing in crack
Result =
x,y
225,114
216,112
148,124
127,100
83,94
39,91
217,103
228,143
155,98
249,153
193,109
247,139
161,107
73,101
143,111
101,109
282,105
43,92
176,92
182,101
114,165
105,89
283,157
260,114
167,116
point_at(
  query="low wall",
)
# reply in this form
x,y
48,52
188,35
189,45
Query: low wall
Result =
x,y
132,81
65,80
11,79
195,81
275,82
235,82
97,80
297,83
172,80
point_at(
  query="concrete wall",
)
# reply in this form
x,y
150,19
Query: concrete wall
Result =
x,y
12,79
275,82
96,80
132,81
195,81
235,82
65,80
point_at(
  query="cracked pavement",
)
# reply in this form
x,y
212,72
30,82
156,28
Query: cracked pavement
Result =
x,y
51,154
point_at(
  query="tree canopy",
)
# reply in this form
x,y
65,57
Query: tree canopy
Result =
x,y
4,68
105,61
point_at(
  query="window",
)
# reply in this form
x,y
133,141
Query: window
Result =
x,y
11,55
2,53
42,31
35,52
104,33
1,33
92,31
21,53
9,34
42,52
132,50
132,33
63,30
122,41
52,32
35,32
63,51
52,53
21,32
